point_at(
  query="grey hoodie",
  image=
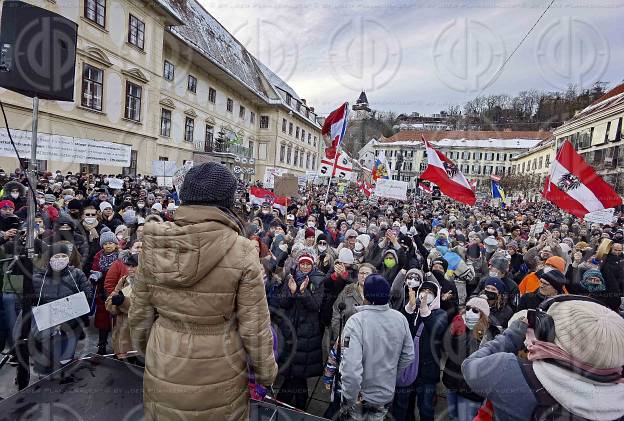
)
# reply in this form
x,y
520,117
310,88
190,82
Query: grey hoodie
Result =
x,y
376,345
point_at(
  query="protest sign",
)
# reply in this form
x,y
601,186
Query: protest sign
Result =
x,y
115,183
286,185
603,216
269,176
391,189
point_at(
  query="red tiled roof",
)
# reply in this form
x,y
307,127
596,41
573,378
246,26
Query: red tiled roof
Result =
x,y
408,135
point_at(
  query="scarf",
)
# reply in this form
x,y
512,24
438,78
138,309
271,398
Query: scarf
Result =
x,y
106,260
539,350
93,234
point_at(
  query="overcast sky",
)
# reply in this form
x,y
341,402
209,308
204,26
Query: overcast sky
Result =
x,y
423,56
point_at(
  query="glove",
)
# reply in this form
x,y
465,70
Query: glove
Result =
x,y
95,276
118,299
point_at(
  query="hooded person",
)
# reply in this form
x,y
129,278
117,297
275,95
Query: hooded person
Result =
x,y
500,312
403,282
552,282
449,298
592,285
426,319
213,319
391,264
574,371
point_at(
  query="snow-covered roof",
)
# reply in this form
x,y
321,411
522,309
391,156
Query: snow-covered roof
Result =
x,y
277,81
202,31
470,143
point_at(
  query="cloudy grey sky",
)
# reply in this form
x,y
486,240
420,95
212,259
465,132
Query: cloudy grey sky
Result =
x,y
425,55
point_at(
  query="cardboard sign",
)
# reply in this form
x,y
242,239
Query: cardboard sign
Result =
x,y
286,185
603,216
269,176
60,311
391,189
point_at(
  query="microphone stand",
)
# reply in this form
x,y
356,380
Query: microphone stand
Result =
x,y
341,308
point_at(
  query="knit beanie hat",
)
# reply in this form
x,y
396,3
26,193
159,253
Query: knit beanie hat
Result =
x,y
321,237
589,332
376,290
513,244
129,217
440,261
305,258
593,273
346,256
310,232
107,236
157,207
120,228
209,184
556,262
74,204
500,285
554,277
481,304
105,205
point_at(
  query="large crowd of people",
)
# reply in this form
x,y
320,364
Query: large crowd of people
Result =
x,y
511,310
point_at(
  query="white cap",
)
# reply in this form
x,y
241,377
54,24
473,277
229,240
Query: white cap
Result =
x,y
346,256
105,205
157,206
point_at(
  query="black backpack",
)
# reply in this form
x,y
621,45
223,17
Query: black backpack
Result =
x,y
547,408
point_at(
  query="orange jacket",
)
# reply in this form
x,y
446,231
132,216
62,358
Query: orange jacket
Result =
x,y
530,283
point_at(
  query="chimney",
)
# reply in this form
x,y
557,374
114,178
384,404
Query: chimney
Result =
x,y
311,109
303,101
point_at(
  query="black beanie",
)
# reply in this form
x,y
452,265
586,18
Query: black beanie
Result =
x,y
209,184
376,290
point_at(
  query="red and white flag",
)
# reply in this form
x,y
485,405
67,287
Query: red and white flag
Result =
x,y
341,166
366,187
258,196
334,129
447,176
425,188
575,187
473,184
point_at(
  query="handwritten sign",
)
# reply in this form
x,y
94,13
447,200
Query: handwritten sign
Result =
x,y
269,176
603,216
115,183
391,189
60,311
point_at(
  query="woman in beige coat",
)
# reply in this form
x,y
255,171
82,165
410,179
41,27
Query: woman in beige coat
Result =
x,y
204,280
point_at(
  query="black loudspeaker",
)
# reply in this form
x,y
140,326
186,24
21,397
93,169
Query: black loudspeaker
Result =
x,y
37,52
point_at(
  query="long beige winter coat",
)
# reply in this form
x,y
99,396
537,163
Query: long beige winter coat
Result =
x,y
204,280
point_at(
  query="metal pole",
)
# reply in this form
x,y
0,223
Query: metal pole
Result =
x,y
22,351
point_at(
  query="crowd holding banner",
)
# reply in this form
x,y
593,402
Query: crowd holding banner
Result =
x,y
387,296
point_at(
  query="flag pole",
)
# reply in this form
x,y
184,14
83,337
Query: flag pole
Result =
x,y
342,133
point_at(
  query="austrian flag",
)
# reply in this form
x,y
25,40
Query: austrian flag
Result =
x,y
447,176
258,196
575,187
334,129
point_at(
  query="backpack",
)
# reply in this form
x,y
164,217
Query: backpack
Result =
x,y
409,374
547,408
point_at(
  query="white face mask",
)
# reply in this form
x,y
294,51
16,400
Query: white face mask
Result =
x,y
59,263
322,248
311,224
471,319
90,220
494,274
14,195
430,298
141,205
41,201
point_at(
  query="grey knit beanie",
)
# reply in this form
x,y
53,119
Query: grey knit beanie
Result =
x,y
107,236
209,184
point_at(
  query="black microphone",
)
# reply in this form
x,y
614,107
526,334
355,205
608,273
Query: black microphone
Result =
x,y
341,307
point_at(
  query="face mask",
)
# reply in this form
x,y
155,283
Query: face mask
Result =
x,y
14,195
58,263
141,205
41,201
490,231
494,274
350,221
390,263
265,212
430,298
413,283
322,248
491,296
311,224
90,220
66,235
120,237
471,319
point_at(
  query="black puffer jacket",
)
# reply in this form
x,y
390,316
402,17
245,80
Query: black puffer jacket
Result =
x,y
613,272
300,330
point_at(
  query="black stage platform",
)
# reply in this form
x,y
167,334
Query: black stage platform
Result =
x,y
103,389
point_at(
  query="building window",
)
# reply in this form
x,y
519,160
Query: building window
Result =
x,y
297,133
301,159
136,32
314,161
132,169
95,11
284,123
92,87
282,152
90,168
296,160
302,135
133,101
191,83
298,106
252,117
289,154
212,95
309,138
308,160
290,129
168,71
229,106
251,148
241,112
264,121
209,138
163,158
307,113
189,127
165,122
314,144
541,161
288,98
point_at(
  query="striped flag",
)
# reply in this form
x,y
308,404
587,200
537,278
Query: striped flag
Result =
x,y
575,187
334,129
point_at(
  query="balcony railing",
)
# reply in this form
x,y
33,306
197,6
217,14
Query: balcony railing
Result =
x,y
219,147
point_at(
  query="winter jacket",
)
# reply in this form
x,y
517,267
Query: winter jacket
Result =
x,y
114,274
301,355
430,346
204,280
121,339
458,343
613,272
376,345
351,298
